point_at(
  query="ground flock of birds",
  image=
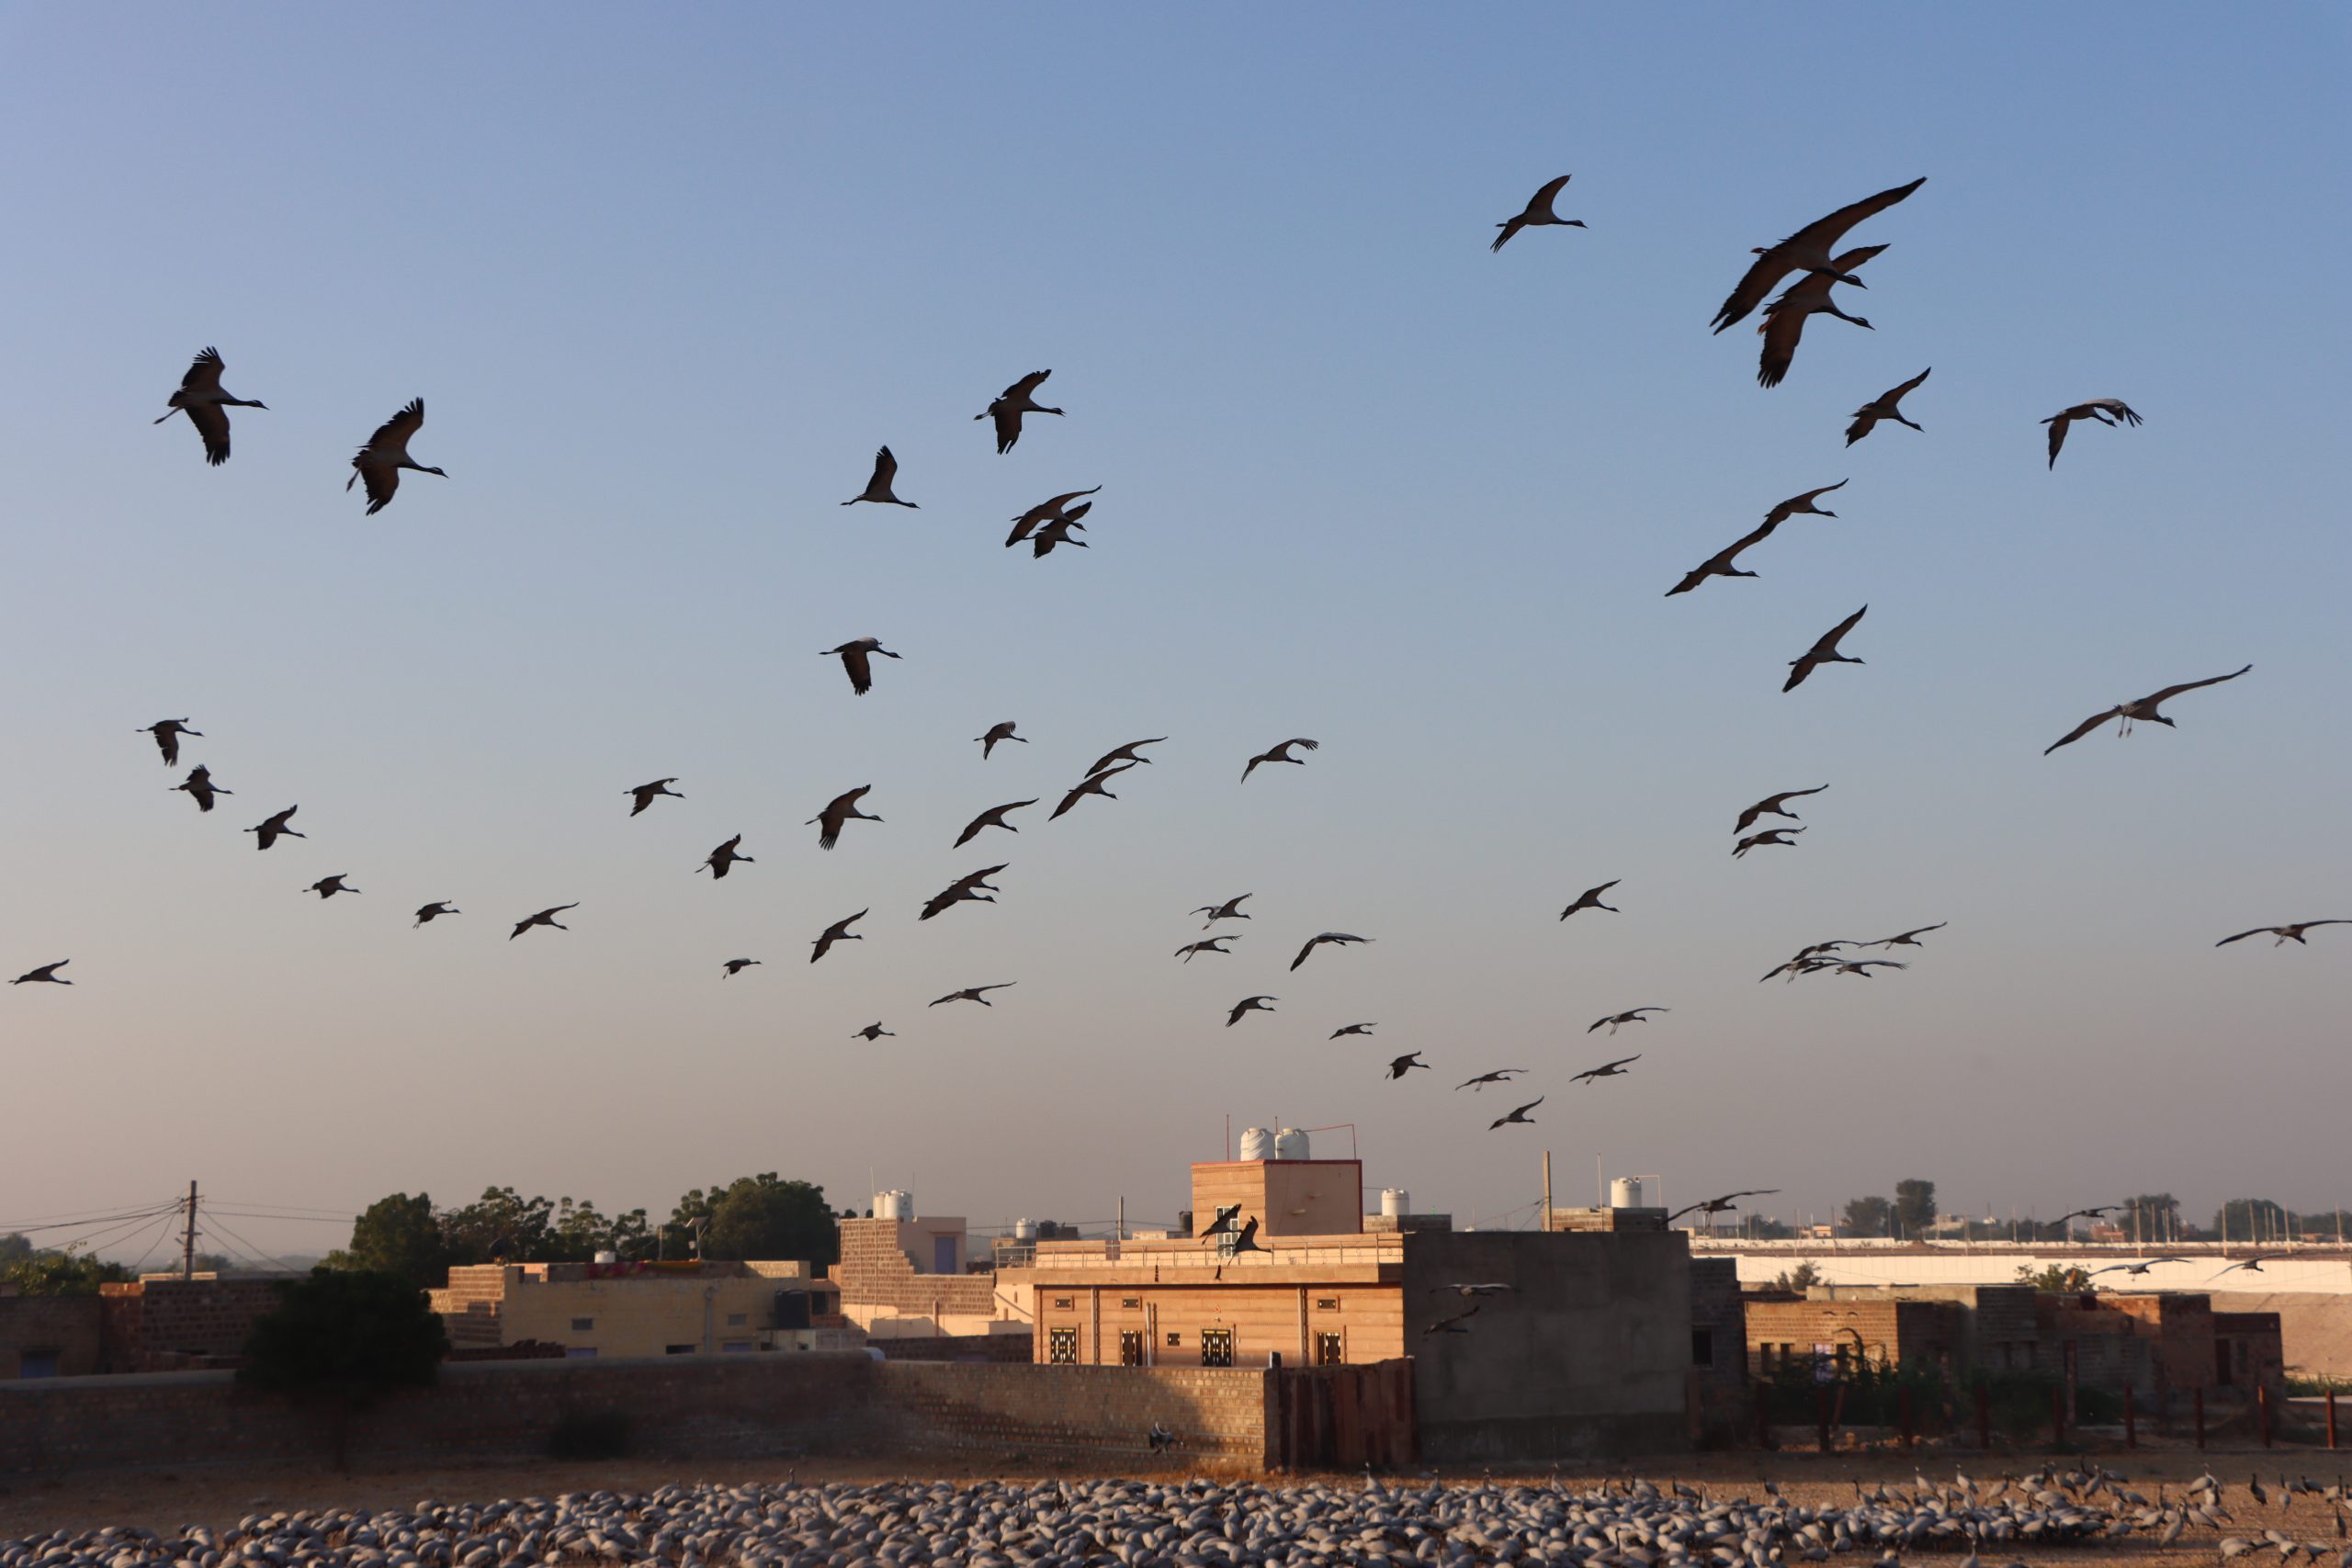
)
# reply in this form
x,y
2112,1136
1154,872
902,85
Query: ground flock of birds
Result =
x,y
1812,266
1203,1523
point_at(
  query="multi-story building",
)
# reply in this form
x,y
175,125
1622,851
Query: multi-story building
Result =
x,y
643,1309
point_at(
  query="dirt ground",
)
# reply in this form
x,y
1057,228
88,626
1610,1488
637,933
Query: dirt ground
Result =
x,y
219,1497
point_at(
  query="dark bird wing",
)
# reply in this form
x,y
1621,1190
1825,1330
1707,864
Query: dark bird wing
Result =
x,y
2258,930
1007,419
2082,729
1829,644
1303,952
886,468
2117,407
1026,388
393,434
212,421
2153,698
1772,265
167,742
2057,423
1782,330
860,668
204,371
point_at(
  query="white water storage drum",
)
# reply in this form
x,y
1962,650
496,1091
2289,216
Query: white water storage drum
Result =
x,y
1257,1143
1291,1144
1395,1202
1626,1192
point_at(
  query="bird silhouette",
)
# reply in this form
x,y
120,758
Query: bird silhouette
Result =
x,y
200,787
735,966
1807,249
1617,1019
1223,1225
1207,944
877,488
1906,939
1720,1205
2142,710
838,931
1615,1069
1453,1325
1337,939
1590,899
1771,838
2103,411
1247,1004
2285,934
1047,512
1774,806
377,465
207,406
1537,214
1279,754
1500,1075
1886,405
432,912
964,889
1399,1065
167,733
646,794
1007,407
992,818
718,862
872,1032
1091,785
1520,1115
328,886
854,658
1364,1029
997,732
1784,324
1825,651
46,975
271,828
1228,911
1058,532
839,811
1127,754
972,994
544,917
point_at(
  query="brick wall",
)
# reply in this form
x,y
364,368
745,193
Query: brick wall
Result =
x,y
1001,1347
874,1271
154,1324
64,1326
1218,1413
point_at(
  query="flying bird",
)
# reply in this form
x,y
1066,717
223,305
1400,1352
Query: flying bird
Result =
x,y
997,732
1823,652
2142,1267
1470,1289
1010,405
2105,410
724,856
1247,1004
1479,1084
1537,214
645,794
1590,899
735,966
1223,1225
1058,532
972,994
1246,1240
1364,1029
1807,504
1719,1205
1774,806
1722,563
854,658
1091,785
167,733
1452,1325
200,787
1800,965
1159,1439
1127,754
207,406
1906,939
2285,934
434,912
1519,1115
2098,1213
1047,512
1807,249
1399,1065
1772,838
1279,754
1784,324
992,818
47,972
1862,966
378,463
1206,944
328,886
877,488
1615,1069
1616,1019
1886,405
872,1032
2254,1265
1228,911
270,828
840,810
1338,939
544,917
964,889
2143,710
838,931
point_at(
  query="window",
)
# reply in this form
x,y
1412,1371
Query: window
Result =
x,y
738,1319
578,1352
584,1325
677,1349
1703,1347
1174,1339
1327,1303
1329,1351
1216,1347
1130,1347
734,1347
1061,1347
1131,1302
1065,1303
37,1364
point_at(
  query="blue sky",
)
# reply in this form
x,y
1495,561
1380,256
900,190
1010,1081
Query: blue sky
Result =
x,y
665,280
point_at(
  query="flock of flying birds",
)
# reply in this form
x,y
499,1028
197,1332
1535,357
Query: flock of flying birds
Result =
x,y
1809,259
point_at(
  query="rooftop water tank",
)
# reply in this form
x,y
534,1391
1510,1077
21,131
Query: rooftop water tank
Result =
x,y
894,1205
1395,1202
1626,1192
608,1256
1025,1230
1257,1143
1291,1144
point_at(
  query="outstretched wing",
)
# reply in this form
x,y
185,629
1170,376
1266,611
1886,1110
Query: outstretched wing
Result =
x,y
1027,385
212,421
2057,423
204,371
395,432
861,670
2081,729
886,468
2153,698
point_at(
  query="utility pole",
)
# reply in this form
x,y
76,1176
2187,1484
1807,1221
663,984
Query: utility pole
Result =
x,y
187,1237
1547,1192
698,1223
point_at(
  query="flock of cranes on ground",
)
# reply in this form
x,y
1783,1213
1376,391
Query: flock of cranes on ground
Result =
x,y
1812,266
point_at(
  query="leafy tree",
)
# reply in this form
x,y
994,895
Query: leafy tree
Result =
x,y
1914,1205
580,1232
500,1223
2328,1223
2251,1219
1866,1216
15,1245
2056,1278
341,1340
59,1274
760,1217
2157,1216
398,1235
1802,1278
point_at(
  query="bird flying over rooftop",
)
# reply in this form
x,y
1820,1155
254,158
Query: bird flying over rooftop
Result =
x,y
1719,1205
854,657
1010,404
1823,651
877,487
1536,214
2141,710
2104,411
1806,250
377,465
1278,754
167,733
1338,939
1452,1325
1886,405
207,406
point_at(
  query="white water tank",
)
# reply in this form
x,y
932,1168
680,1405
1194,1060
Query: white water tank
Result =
x,y
608,1256
1025,1230
1626,1192
1291,1144
894,1205
1395,1202
1257,1143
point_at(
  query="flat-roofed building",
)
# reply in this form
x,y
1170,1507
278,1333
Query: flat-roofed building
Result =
x,y
644,1309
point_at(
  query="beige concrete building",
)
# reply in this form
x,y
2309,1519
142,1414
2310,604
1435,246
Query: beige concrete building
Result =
x,y
906,1277
642,1309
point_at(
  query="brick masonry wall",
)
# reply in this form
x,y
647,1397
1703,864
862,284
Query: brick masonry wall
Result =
x,y
873,1271
1218,1413
1008,1348
64,1326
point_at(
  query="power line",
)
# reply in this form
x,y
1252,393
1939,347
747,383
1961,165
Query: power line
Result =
x,y
93,1222
162,1229
278,1264
290,1208
302,1218
98,1235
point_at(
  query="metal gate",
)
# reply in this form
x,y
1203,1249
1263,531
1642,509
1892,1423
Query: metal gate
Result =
x,y
1343,1417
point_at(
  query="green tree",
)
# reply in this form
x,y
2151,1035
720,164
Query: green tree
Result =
x,y
2057,1279
342,1339
500,1223
2251,1219
760,1217
59,1274
2157,1216
15,1245
398,1235
580,1232
1866,1216
1799,1279
1914,1205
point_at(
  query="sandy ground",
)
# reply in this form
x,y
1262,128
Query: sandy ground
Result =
x,y
219,1497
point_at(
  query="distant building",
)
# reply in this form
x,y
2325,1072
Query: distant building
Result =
x,y
157,1324
643,1309
902,1276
